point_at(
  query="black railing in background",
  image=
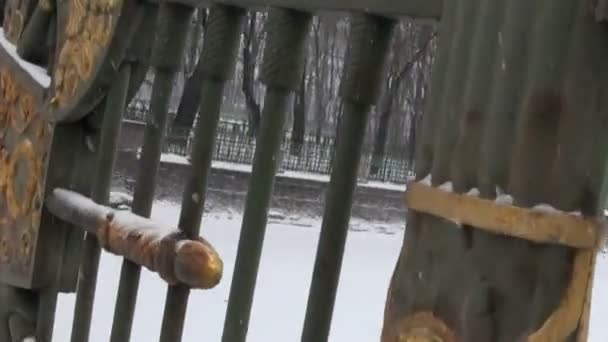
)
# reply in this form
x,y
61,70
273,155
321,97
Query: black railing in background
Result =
x,y
314,155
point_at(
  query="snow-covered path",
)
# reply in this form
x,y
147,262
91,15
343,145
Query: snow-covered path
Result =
x,y
281,295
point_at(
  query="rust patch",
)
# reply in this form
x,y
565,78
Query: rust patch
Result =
x,y
88,28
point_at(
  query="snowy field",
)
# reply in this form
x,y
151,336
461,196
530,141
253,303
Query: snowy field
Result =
x,y
281,294
283,283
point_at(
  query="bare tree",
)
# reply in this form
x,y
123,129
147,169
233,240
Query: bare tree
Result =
x,y
189,103
250,53
299,117
392,88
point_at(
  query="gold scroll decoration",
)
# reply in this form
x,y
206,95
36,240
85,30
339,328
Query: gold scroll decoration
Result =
x,y
15,12
25,139
89,25
23,174
551,227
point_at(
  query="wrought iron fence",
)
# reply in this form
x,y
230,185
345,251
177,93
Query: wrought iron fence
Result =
x,y
83,154
314,155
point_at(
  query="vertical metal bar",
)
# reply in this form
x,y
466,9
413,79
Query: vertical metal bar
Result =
x,y
114,107
167,53
222,36
282,70
46,313
126,298
363,68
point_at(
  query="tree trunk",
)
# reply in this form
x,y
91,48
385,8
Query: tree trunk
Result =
x,y
299,117
381,137
393,85
524,114
249,62
189,103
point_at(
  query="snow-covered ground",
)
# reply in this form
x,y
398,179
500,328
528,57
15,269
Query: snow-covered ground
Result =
x,y
283,283
281,294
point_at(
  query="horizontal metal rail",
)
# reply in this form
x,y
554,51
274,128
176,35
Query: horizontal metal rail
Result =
x,y
423,9
143,241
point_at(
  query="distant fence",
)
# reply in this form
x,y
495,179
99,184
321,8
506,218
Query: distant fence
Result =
x,y
313,156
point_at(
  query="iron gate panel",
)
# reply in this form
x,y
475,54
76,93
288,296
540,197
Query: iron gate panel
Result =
x,y
95,67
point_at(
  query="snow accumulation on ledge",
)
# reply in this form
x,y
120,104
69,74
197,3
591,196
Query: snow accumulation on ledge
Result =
x,y
502,198
38,73
245,168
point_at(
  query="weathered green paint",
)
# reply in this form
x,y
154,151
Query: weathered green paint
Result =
x,y
424,145
450,111
517,99
360,89
222,37
139,50
506,97
424,9
85,296
32,45
549,76
172,21
281,71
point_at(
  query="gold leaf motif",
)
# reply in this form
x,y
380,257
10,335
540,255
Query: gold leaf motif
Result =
x,y
24,152
23,113
3,168
88,32
22,162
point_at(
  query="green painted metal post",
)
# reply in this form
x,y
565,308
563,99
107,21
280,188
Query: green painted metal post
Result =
x,y
282,68
167,51
115,104
363,69
220,47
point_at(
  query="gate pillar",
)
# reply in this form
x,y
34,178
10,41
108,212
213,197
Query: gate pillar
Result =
x,y
505,214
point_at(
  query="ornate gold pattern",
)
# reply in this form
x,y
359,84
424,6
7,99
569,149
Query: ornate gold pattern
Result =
x,y
20,191
23,152
88,28
14,19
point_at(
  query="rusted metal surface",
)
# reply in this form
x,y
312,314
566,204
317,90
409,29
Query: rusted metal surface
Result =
x,y
24,145
161,249
93,37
